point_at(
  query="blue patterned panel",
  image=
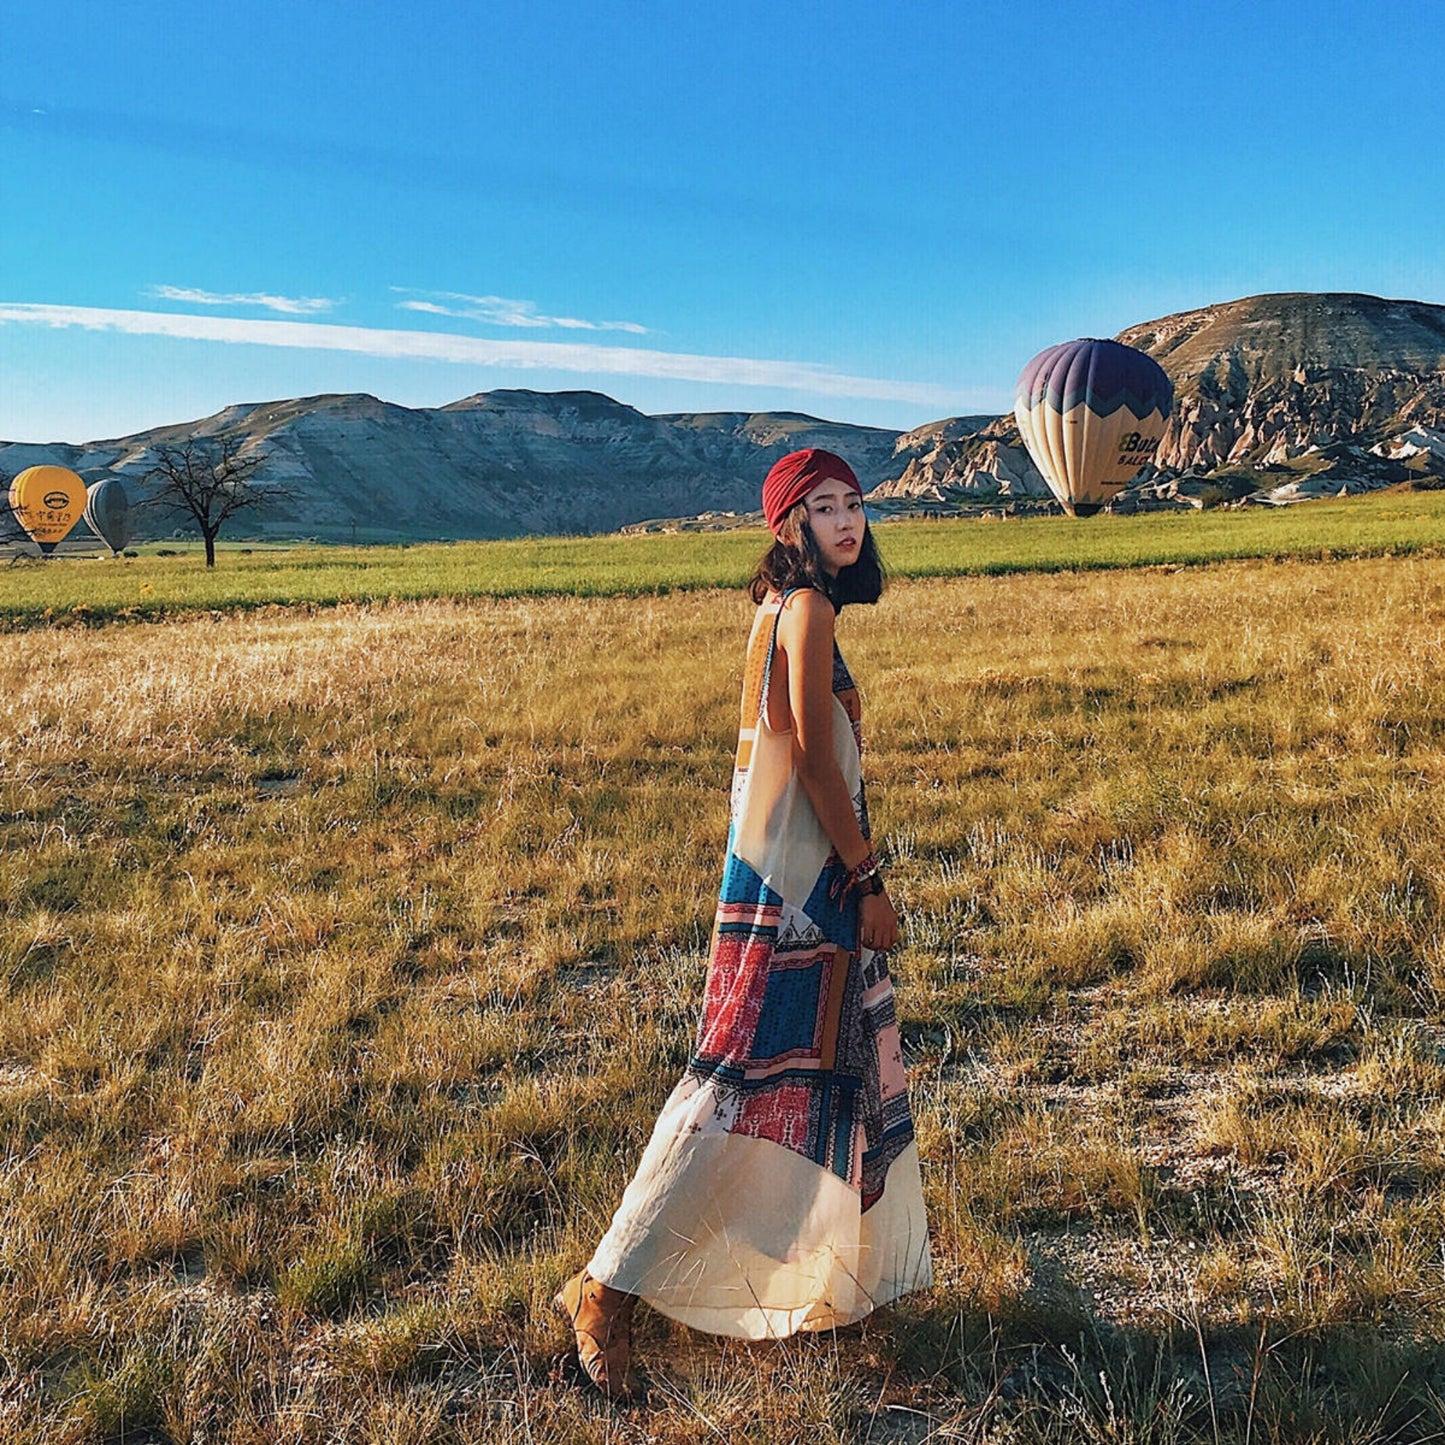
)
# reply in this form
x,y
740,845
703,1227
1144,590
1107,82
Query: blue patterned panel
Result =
x,y
839,924
790,1019
743,884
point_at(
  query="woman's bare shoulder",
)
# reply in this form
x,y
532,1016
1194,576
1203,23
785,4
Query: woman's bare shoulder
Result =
x,y
805,627
808,608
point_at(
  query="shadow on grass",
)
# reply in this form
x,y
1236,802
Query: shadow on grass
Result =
x,y
1048,1368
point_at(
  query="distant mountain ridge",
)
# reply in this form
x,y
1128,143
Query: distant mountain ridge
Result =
x,y
498,464
1278,396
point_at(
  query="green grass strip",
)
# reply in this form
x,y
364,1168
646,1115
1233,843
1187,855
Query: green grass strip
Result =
x,y
83,588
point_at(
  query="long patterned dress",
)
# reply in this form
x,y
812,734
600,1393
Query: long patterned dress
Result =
x,y
780,1190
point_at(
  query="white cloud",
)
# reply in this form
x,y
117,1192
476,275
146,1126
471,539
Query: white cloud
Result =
x,y
287,305
585,357
503,311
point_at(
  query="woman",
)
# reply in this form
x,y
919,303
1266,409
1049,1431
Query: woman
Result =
x,y
760,1206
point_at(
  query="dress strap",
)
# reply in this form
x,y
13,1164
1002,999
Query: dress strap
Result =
x,y
772,651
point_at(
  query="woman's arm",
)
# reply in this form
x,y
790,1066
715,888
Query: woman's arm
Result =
x,y
805,633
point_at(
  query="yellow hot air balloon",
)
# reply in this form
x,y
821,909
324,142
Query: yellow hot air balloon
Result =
x,y
47,502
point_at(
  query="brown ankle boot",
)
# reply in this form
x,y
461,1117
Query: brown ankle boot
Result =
x,y
601,1319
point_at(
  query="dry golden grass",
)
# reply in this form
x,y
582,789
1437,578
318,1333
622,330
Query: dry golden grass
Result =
x,y
348,957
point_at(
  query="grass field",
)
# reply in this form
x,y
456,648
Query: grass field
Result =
x,y
35,592
348,955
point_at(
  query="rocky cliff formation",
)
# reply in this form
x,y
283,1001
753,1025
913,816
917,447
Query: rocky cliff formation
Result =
x,y
1279,396
966,459
1351,387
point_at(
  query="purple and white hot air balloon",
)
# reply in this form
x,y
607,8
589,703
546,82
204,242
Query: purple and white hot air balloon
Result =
x,y
1091,414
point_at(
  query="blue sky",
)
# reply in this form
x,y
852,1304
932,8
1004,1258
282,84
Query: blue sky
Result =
x,y
872,213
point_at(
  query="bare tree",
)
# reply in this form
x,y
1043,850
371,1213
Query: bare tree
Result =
x,y
209,480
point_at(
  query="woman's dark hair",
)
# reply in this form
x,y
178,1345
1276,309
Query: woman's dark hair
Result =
x,y
794,560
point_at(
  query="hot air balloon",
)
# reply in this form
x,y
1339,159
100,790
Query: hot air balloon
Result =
x,y
107,513
1091,414
47,502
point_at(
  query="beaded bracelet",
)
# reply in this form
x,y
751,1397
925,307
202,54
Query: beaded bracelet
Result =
x,y
869,868
870,885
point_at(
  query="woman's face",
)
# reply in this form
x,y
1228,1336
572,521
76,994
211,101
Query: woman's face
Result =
x,y
835,513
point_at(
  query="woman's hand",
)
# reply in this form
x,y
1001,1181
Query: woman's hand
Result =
x,y
877,922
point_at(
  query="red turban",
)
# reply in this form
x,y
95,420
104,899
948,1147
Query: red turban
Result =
x,y
792,478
